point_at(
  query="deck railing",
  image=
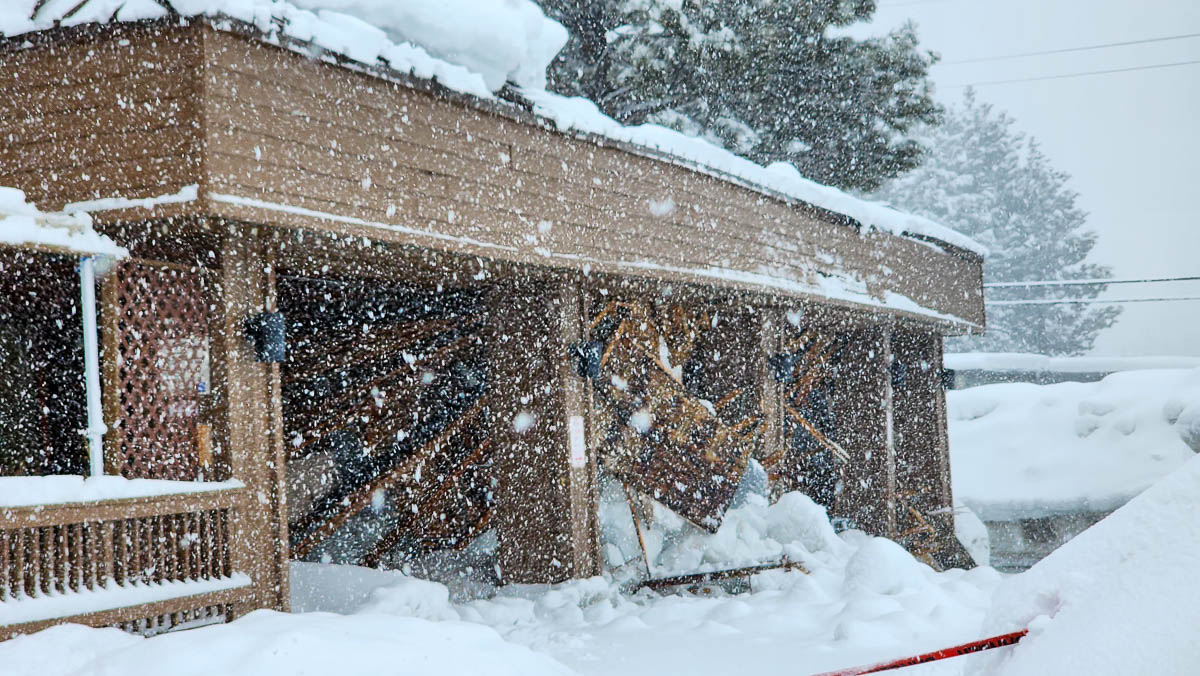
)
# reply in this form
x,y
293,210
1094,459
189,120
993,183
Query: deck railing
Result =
x,y
146,564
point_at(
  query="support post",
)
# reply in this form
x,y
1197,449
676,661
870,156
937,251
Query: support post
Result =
x,y
862,403
546,503
253,423
922,446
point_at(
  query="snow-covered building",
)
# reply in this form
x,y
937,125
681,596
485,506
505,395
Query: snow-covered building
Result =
x,y
374,308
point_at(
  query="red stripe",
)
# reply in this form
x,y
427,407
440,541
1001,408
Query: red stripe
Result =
x,y
964,649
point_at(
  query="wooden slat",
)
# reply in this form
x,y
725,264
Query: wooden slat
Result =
x,y
5,571
355,502
132,508
117,54
144,87
114,147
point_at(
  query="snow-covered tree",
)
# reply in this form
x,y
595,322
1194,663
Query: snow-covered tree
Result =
x,y
773,80
989,181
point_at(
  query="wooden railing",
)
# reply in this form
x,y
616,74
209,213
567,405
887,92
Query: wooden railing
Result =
x,y
143,563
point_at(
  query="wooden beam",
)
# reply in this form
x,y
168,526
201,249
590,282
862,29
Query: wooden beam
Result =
x,y
862,403
253,419
546,504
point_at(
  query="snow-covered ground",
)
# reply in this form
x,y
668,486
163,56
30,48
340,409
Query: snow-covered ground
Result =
x,y
1022,451
864,599
1123,598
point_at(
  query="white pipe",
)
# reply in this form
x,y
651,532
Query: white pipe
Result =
x,y
91,367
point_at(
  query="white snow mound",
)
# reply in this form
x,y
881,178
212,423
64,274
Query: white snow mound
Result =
x,y
21,223
1020,450
267,642
1121,598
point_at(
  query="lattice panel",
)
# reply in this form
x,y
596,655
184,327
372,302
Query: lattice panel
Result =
x,y
163,347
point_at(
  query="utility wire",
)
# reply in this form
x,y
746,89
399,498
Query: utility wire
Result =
x,y
1072,49
1067,75
1085,282
1087,301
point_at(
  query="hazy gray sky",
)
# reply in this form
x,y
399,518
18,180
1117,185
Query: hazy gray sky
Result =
x,y
1131,140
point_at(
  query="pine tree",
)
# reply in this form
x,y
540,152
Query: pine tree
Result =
x,y
769,79
989,181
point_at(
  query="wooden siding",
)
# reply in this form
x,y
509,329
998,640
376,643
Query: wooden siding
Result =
x,y
83,120
143,110
302,133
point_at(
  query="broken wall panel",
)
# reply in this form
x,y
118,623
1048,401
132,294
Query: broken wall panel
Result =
x,y
681,389
807,457
386,416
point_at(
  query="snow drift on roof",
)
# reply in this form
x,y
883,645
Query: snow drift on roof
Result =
x,y
22,224
474,47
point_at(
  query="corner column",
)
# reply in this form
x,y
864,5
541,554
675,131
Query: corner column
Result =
x,y
546,502
862,404
253,432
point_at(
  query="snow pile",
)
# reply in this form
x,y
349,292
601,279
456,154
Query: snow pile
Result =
x,y
474,47
864,599
1121,598
753,532
21,223
1021,361
266,642
1020,450
509,41
24,491
339,33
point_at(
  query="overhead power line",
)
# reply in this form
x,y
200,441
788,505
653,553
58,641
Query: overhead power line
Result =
x,y
1086,282
1073,49
1067,75
1087,301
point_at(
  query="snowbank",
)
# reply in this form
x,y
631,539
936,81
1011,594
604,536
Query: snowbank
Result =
x,y
24,491
864,600
1121,598
1020,450
266,642
1021,361
21,223
474,47
339,33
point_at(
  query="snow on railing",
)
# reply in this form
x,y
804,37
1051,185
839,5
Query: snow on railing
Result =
x,y
79,558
